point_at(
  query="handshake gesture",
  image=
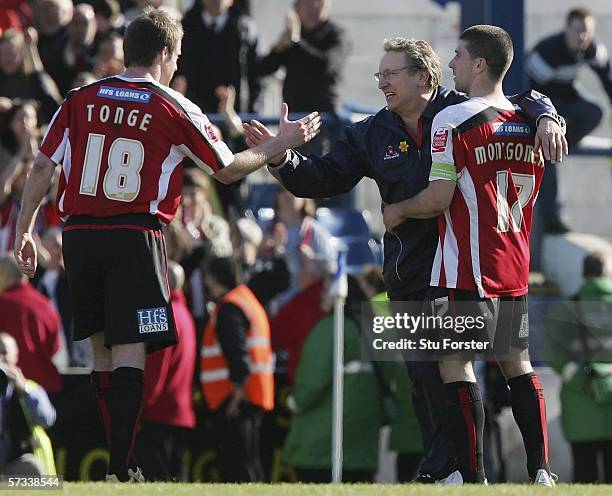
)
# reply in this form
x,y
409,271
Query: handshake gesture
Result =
x,y
294,133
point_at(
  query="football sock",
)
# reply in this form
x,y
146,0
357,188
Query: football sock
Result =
x,y
466,415
125,407
529,410
101,385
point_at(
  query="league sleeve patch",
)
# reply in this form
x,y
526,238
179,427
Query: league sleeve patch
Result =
x,y
439,140
152,320
124,94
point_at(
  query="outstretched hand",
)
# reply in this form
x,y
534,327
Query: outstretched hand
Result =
x,y
296,133
291,133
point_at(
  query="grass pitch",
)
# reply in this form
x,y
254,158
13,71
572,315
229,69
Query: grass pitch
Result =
x,y
102,489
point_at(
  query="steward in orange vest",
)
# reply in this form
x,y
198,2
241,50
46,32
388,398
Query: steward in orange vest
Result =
x,y
215,373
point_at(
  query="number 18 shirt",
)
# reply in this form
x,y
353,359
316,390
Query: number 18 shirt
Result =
x,y
121,142
484,234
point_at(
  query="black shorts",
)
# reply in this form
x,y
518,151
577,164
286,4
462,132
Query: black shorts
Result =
x,y
495,326
118,278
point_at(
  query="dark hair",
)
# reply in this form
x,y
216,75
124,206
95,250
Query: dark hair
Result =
x,y
107,8
148,35
373,275
593,265
577,13
224,270
491,43
8,140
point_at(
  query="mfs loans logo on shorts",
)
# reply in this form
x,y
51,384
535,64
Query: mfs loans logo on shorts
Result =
x,y
152,320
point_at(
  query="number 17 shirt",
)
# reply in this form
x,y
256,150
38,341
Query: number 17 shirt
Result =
x,y
484,234
121,142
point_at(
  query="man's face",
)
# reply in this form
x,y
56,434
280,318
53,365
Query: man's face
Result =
x,y
579,33
462,65
9,353
169,65
82,27
398,82
10,58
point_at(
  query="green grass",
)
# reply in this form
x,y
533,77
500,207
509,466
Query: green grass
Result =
x,y
101,489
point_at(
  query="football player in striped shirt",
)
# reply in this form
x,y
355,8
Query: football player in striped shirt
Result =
x,y
484,179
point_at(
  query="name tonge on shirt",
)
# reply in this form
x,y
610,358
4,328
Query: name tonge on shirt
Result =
x,y
518,152
118,116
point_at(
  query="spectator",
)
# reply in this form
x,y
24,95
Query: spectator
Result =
x,y
31,319
313,50
22,74
140,6
308,444
168,411
19,144
51,281
208,233
219,49
109,56
236,372
109,19
291,326
76,52
25,448
52,18
263,261
553,67
575,333
297,216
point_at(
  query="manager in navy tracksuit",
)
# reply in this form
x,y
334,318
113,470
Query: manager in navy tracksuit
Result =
x,y
393,148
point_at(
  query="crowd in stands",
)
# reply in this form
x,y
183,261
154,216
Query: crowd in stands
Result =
x,y
278,271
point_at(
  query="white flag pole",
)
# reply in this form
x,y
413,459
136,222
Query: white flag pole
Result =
x,y
339,290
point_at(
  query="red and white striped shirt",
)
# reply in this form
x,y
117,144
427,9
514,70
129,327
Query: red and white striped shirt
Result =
x,y
121,142
484,233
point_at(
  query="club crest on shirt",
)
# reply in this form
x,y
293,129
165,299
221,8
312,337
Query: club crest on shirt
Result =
x,y
439,139
391,153
152,320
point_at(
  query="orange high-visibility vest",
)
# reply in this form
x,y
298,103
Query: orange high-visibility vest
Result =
x,y
214,375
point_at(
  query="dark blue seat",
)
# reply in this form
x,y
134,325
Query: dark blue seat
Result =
x,y
345,222
261,195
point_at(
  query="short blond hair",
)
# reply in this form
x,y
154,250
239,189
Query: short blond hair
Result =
x,y
419,54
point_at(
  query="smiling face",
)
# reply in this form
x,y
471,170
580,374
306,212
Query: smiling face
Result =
x,y
462,66
398,82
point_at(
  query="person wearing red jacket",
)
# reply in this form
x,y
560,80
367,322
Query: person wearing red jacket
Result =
x,y
30,318
291,326
168,407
